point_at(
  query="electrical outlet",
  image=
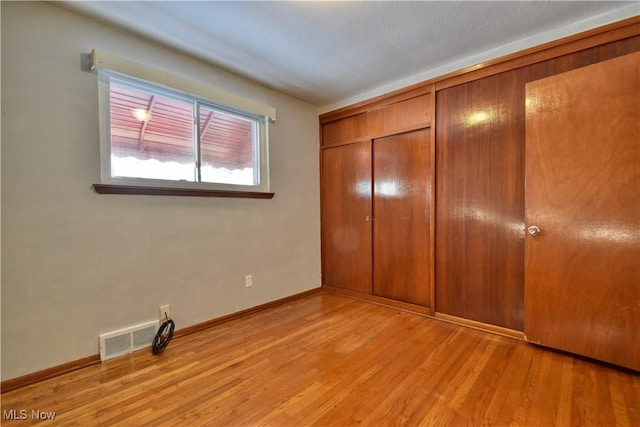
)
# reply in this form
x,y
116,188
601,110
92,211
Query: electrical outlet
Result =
x,y
165,313
248,281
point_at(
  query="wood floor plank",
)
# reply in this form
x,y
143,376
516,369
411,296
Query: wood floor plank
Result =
x,y
330,360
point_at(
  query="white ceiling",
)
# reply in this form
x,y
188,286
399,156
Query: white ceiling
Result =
x,y
335,53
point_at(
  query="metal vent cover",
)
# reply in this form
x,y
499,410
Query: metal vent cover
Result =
x,y
124,341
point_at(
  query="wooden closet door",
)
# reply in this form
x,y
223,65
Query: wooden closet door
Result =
x,y
346,216
582,271
479,201
402,185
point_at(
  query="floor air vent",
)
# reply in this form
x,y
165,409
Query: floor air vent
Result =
x,y
124,341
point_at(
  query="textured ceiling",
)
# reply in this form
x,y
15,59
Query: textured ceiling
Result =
x,y
329,53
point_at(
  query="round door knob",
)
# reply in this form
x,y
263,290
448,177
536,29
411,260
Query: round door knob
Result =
x,y
534,230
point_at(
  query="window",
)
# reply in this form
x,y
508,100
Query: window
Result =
x,y
153,135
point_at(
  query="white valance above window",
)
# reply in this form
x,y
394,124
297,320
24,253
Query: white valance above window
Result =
x,y
107,61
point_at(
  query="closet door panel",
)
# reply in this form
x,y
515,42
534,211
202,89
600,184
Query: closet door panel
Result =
x,y
582,271
479,254
346,216
402,188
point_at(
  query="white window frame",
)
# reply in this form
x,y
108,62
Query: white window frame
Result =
x,y
261,152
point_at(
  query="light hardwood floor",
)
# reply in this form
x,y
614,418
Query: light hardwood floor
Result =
x,y
330,360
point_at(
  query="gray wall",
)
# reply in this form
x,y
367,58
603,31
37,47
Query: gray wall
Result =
x,y
75,263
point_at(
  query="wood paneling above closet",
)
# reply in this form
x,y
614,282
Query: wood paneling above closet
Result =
x,y
413,113
345,131
405,115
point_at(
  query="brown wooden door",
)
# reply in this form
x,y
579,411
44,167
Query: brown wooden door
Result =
x,y
402,187
582,271
479,208
346,213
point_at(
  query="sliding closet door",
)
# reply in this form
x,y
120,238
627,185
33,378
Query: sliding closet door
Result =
x,y
479,203
402,188
346,216
582,249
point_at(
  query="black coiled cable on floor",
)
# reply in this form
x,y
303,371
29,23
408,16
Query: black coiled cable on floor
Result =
x,y
163,336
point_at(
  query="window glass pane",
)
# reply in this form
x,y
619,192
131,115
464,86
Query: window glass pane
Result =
x,y
227,147
151,134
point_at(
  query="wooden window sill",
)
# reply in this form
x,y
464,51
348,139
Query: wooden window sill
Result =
x,y
165,191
